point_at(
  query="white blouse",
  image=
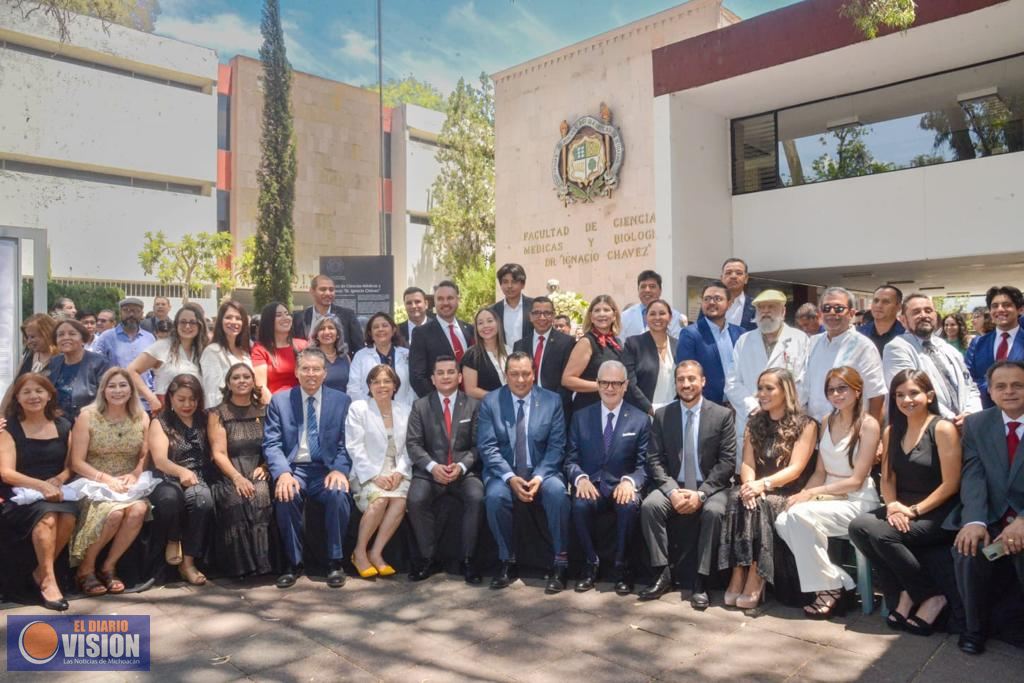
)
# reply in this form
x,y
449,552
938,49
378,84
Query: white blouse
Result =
x,y
215,363
170,365
365,360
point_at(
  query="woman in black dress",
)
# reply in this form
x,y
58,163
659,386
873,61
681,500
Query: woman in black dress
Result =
x,y
245,513
33,455
599,343
777,447
920,481
483,366
181,450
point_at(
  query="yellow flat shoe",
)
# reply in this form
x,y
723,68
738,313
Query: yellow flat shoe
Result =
x,y
386,570
368,573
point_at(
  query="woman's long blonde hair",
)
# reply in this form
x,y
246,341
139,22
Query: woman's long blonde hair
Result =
x,y
134,406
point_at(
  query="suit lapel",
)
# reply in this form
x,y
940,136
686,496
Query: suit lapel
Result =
x,y
673,436
1017,350
620,426
709,338
298,408
596,422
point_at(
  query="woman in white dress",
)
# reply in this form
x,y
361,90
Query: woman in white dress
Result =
x,y
176,355
384,346
840,489
230,345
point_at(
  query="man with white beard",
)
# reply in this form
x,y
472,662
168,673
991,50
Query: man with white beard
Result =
x,y
774,344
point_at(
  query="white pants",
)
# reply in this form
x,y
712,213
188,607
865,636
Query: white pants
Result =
x,y
806,528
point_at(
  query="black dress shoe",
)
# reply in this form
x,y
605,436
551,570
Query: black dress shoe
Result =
x,y
469,571
505,576
424,571
289,577
587,581
700,600
557,580
971,645
336,576
623,581
662,585
58,605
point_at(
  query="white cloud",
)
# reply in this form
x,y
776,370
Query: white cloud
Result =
x,y
228,34
357,46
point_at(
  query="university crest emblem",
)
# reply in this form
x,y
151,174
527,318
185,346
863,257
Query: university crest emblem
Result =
x,y
587,158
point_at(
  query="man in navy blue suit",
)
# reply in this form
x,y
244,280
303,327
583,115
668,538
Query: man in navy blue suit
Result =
x,y
1006,306
741,310
304,443
521,441
711,340
605,463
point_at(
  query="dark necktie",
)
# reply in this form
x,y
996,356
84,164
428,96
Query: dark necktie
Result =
x,y
609,430
940,363
312,430
448,426
643,316
456,344
1012,443
689,456
521,465
1004,347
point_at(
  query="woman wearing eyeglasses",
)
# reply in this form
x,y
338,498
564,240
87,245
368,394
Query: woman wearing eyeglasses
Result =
x,y
176,355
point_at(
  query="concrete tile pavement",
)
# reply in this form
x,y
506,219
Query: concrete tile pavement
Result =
x,y
443,630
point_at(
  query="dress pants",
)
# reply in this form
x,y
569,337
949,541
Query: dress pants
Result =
x,y
978,579
498,499
701,533
185,513
420,504
337,507
806,528
891,554
584,511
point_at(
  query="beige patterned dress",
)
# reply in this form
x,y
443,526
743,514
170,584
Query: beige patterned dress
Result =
x,y
113,449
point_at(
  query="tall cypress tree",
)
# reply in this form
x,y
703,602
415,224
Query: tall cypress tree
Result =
x,y
274,267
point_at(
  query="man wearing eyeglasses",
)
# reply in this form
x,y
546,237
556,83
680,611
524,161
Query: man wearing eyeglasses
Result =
x,y
710,342
841,345
604,461
548,348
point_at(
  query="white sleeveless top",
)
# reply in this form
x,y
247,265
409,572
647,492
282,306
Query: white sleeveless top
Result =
x,y
837,465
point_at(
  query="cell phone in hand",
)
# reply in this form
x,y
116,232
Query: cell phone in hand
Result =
x,y
993,551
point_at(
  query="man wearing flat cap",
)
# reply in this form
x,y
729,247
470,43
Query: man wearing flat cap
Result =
x,y
121,344
774,344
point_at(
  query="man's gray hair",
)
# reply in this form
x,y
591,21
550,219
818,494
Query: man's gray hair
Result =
x,y
613,365
829,291
310,352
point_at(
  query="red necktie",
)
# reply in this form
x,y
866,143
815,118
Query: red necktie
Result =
x,y
537,355
1012,443
448,427
1004,347
456,344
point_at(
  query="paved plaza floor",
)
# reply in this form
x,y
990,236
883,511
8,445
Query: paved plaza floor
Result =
x,y
444,630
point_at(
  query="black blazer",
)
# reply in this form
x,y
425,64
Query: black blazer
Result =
x,y
716,447
427,441
429,342
355,335
557,348
406,330
527,303
487,377
640,356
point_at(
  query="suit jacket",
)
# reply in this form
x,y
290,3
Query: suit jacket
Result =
x,y
906,353
557,348
586,454
85,383
429,342
527,303
697,343
496,426
981,355
366,439
988,486
407,329
640,356
747,321
355,335
427,440
284,420
716,447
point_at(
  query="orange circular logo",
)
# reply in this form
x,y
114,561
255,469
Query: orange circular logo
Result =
x,y
38,642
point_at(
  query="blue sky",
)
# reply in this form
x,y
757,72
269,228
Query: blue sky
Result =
x,y
434,40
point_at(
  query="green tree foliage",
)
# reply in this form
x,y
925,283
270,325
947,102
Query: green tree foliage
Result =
x,y
87,297
196,260
477,287
274,257
852,158
462,217
409,90
871,15
137,14
981,128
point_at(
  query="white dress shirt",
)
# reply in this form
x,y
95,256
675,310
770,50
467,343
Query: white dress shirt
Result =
x,y
1009,340
734,314
458,332
605,412
696,430
851,348
634,322
302,455
512,432
723,340
512,320
533,349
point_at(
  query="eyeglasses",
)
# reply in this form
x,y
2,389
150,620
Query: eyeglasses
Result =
x,y
838,391
543,314
713,299
834,308
610,384
188,323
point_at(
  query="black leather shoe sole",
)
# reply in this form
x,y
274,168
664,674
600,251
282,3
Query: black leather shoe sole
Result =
x,y
623,588
971,646
584,586
499,582
700,601
336,579
649,594
554,586
286,580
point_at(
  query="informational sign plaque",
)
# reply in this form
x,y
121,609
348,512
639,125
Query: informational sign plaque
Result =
x,y
363,283
10,301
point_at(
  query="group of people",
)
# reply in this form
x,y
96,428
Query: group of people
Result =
x,y
734,432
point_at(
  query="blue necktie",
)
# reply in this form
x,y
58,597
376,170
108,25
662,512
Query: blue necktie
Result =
x,y
643,316
312,430
521,465
609,429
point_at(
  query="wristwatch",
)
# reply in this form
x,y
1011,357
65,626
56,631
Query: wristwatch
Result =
x,y
767,484
702,497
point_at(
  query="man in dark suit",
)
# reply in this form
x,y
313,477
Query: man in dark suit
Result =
x,y
304,443
446,335
991,508
513,312
548,348
605,463
691,459
521,441
441,440
741,310
710,342
1006,306
322,290
415,301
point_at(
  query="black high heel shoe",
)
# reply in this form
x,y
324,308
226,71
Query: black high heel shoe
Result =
x,y
60,605
920,627
896,621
